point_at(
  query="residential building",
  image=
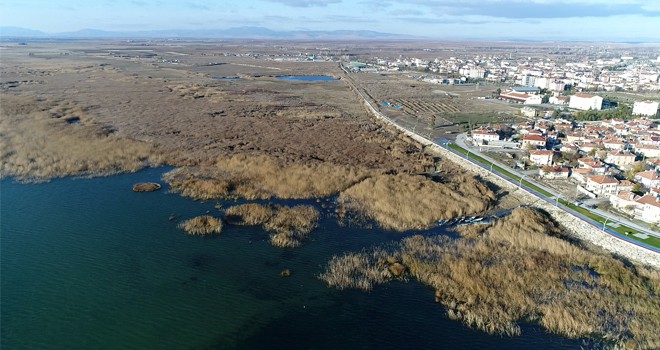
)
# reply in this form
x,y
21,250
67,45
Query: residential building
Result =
x,y
625,201
541,157
620,159
649,178
645,108
481,136
649,209
601,185
586,102
533,141
554,172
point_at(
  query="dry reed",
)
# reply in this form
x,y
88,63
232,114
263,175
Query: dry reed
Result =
x,y
202,225
405,202
261,177
289,226
38,143
250,214
519,268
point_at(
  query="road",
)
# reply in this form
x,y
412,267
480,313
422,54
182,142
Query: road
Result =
x,y
461,140
430,139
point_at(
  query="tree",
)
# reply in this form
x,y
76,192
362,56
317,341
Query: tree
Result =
x,y
639,189
636,168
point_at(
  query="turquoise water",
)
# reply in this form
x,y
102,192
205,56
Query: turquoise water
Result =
x,y
88,264
307,78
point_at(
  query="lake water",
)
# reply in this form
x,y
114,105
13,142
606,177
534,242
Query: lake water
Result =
x,y
88,264
307,78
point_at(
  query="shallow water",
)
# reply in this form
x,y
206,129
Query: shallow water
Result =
x,y
89,264
307,78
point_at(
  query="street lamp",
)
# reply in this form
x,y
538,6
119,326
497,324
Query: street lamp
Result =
x,y
520,183
491,167
605,223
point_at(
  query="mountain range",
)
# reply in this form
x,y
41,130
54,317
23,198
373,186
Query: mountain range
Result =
x,y
231,33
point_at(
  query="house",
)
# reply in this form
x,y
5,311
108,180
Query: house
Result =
x,y
649,179
541,157
648,209
646,108
533,141
554,172
558,100
514,97
648,151
586,102
614,145
529,112
481,136
625,185
601,185
595,166
624,201
580,175
620,159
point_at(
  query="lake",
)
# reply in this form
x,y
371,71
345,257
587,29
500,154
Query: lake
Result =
x,y
307,78
89,264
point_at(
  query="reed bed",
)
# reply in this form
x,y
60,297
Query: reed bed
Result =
x,y
261,177
291,225
516,269
38,143
406,202
250,214
202,225
288,226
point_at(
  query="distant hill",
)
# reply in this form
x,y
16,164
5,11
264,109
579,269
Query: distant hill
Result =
x,y
231,33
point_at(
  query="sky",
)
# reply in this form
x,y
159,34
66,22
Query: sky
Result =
x,y
608,20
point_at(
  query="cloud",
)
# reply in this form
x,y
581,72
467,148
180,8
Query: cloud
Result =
x,y
196,6
306,3
539,9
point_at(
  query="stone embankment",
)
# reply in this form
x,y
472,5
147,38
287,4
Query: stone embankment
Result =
x,y
574,226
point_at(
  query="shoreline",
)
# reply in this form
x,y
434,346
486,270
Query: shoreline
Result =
x,y
577,228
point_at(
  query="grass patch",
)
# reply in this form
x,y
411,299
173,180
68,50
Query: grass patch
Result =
x,y
261,177
288,226
520,269
38,143
406,202
202,225
250,214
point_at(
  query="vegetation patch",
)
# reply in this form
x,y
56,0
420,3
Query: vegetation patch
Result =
x,y
250,214
146,187
288,226
202,225
38,144
261,177
407,202
520,269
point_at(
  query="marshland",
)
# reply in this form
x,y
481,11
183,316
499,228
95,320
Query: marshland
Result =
x,y
280,159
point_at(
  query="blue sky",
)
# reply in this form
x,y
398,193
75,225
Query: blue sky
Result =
x,y
525,19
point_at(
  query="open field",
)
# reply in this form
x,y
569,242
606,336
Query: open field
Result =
x,y
518,269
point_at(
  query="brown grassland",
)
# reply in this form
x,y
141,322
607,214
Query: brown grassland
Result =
x,y
519,269
406,202
289,226
202,225
37,142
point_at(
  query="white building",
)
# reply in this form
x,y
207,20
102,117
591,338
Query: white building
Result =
x,y
649,179
541,157
586,102
602,185
479,136
648,209
646,108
